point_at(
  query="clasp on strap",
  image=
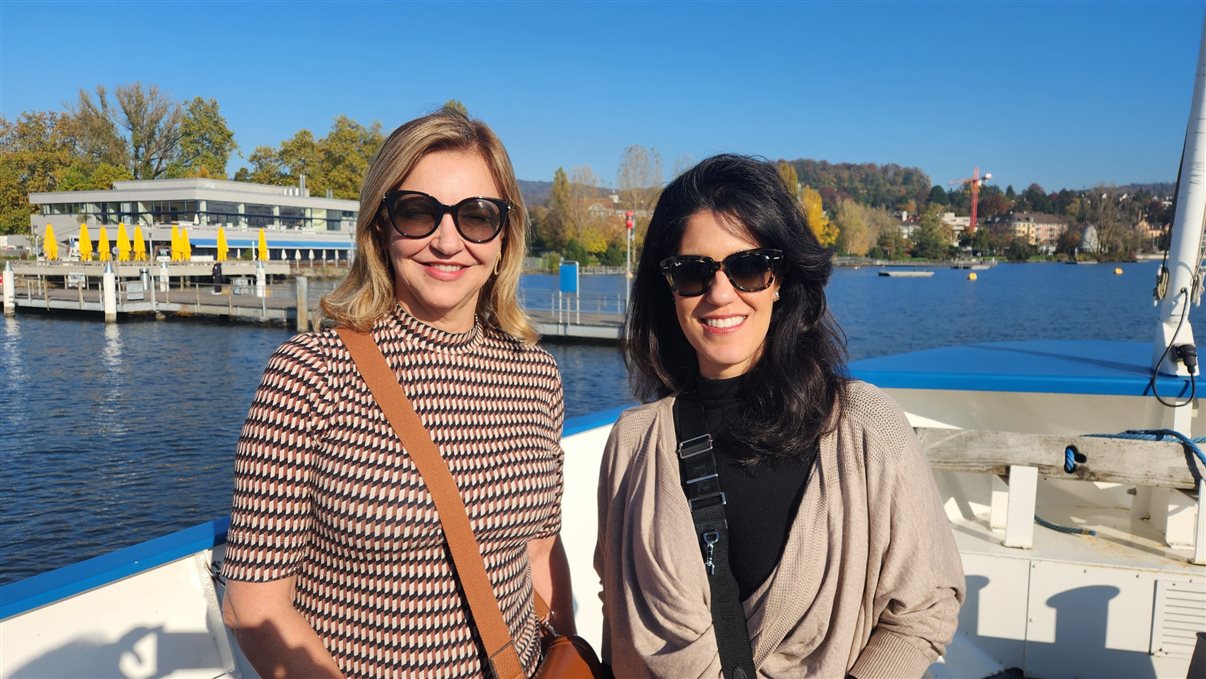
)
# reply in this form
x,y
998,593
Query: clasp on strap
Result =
x,y
710,538
695,446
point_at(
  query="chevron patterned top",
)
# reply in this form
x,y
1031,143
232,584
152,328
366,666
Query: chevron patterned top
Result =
x,y
324,491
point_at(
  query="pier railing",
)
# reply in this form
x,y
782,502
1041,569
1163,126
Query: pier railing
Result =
x,y
271,292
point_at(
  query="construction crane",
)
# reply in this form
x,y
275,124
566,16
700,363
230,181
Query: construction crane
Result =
x,y
974,181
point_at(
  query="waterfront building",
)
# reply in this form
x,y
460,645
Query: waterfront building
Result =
x,y
1039,229
957,224
296,224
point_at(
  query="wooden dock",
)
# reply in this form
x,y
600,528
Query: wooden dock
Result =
x,y
185,289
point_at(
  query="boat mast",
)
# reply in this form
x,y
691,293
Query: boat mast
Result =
x,y
1183,286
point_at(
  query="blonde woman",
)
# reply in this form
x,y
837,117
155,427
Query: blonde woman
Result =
x,y
336,564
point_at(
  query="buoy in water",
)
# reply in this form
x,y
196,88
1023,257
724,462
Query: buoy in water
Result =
x,y
1117,271
971,276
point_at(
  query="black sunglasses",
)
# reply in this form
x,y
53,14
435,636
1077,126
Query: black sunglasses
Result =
x,y
414,214
748,271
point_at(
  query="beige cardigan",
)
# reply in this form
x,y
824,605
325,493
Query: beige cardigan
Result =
x,y
870,581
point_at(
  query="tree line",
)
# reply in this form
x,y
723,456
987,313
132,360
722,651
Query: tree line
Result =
x,y
139,132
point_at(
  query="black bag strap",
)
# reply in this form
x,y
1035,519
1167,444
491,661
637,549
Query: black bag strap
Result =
x,y
701,484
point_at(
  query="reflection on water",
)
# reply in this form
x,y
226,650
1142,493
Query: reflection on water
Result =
x,y
113,434
111,354
14,376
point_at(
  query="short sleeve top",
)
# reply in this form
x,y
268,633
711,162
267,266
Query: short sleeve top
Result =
x,y
324,491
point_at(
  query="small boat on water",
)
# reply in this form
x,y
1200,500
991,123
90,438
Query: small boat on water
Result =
x,y
974,266
907,273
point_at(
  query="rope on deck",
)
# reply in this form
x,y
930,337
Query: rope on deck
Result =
x,y
1072,456
1190,444
1063,529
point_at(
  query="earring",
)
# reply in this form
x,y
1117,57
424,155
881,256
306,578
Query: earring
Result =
x,y
775,298
497,265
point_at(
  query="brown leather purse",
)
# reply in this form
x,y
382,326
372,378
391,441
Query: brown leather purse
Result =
x,y
564,656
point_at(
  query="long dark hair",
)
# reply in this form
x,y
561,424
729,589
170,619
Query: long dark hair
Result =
x,y
791,391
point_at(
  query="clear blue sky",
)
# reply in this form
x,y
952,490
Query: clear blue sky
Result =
x,y
1065,94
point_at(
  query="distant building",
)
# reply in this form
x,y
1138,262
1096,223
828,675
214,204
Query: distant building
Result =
x,y
296,224
1088,240
14,245
1039,229
1151,233
958,224
208,202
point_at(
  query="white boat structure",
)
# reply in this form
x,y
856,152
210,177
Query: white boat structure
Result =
x,y
905,273
974,265
1014,433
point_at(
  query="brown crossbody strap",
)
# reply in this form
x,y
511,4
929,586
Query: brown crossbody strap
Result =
x,y
466,556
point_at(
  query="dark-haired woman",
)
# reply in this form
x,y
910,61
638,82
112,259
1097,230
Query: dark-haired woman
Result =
x,y
763,499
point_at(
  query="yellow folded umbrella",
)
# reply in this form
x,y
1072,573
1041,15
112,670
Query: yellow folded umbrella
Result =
x,y
263,248
123,243
176,256
186,248
50,246
140,245
222,248
85,244
102,245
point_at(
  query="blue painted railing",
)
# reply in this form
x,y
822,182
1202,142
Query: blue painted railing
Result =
x,y
68,581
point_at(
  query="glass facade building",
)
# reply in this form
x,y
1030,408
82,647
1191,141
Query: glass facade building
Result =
x,y
208,202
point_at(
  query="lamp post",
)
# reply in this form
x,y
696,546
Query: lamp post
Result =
x,y
628,226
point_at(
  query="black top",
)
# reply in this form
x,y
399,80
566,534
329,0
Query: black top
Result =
x,y
762,499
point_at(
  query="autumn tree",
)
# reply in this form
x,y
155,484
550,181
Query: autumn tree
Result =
x,y
992,203
206,143
854,233
87,177
1068,242
300,155
34,151
891,244
92,127
932,239
814,212
140,129
345,154
980,241
266,168
1034,199
1114,219
588,229
938,196
556,227
1020,250
335,163
788,174
639,182
457,106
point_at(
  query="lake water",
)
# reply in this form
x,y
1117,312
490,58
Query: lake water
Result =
x,y
111,434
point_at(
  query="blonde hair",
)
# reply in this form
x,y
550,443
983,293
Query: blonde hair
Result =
x,y
366,294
